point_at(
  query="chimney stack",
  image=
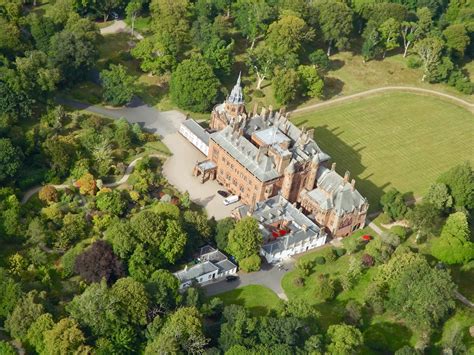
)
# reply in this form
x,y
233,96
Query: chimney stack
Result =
x,y
255,108
304,227
263,113
346,176
333,167
353,182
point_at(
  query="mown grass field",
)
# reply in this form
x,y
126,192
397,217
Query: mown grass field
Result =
x,y
396,140
258,299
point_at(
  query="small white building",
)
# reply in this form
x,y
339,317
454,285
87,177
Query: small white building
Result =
x,y
194,133
286,230
212,265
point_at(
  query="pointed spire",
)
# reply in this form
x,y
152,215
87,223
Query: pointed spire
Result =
x,y
238,79
236,96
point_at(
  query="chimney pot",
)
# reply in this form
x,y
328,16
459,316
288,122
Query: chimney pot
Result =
x,y
353,182
333,166
346,176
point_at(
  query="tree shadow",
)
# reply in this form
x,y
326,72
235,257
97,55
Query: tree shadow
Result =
x,y
386,337
335,64
332,87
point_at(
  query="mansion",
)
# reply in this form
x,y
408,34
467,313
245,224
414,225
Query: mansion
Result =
x,y
260,155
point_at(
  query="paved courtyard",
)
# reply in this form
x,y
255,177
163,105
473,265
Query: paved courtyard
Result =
x,y
178,169
269,276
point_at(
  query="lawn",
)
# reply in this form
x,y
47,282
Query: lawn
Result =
x,y
258,299
393,140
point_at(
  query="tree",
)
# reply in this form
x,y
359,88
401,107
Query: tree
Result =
x,y
182,331
35,335
460,182
6,348
219,54
286,36
320,59
407,29
104,7
99,262
163,287
10,159
132,10
171,24
250,263
335,21
286,85
132,299
60,152
153,56
344,339
73,229
112,202
48,194
456,38
223,228
193,85
389,32
64,338
429,49
238,328
261,62
42,29
423,218
10,293
454,245
421,306
252,18
393,204
438,195
87,184
119,87
245,239
23,315
312,83
120,235
74,50
282,330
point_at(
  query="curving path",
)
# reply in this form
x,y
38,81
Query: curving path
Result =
x,y
117,27
468,105
123,179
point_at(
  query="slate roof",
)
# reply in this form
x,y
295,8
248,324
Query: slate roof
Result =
x,y
236,96
196,271
241,149
333,193
197,130
275,209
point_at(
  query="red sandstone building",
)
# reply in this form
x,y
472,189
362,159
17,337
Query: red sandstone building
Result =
x,y
260,155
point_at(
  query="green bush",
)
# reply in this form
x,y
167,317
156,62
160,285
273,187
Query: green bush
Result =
x,y
414,62
340,252
320,260
298,281
400,231
258,93
329,255
68,260
384,218
251,263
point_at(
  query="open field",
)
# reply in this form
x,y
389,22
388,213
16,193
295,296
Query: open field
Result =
x,y
258,299
398,139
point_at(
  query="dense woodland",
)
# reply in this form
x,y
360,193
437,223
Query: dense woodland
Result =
x,y
86,268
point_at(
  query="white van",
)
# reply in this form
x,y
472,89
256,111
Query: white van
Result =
x,y
231,199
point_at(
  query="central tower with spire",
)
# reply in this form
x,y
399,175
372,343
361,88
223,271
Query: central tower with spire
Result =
x,y
232,107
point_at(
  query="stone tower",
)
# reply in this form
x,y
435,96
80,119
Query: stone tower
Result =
x,y
234,105
311,180
288,176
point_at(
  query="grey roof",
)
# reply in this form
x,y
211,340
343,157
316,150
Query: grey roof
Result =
x,y
196,271
226,265
272,135
207,165
197,130
236,95
246,154
332,192
275,209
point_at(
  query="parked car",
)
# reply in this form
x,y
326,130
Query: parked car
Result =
x,y
231,278
223,193
231,199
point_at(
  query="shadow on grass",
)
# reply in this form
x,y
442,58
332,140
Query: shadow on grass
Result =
x,y
387,337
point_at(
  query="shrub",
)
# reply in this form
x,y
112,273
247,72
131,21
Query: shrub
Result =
x,y
325,290
340,252
48,194
400,231
320,260
414,62
368,260
329,255
68,260
304,266
351,244
251,263
298,281
258,93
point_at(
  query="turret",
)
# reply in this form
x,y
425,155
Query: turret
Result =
x,y
288,176
234,105
311,180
